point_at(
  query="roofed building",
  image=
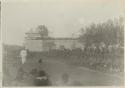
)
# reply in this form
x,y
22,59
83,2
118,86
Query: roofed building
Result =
x,y
34,43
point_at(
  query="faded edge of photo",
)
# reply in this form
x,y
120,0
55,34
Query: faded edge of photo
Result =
x,y
0,49
1,77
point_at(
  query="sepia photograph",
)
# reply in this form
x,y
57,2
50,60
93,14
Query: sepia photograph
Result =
x,y
54,43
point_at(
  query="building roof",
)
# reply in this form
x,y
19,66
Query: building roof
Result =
x,y
46,38
57,38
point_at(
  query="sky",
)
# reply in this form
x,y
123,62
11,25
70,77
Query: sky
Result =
x,y
62,17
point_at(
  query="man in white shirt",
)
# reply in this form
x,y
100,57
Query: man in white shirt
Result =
x,y
23,55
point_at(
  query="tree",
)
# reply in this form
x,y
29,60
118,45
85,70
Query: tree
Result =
x,y
42,30
109,32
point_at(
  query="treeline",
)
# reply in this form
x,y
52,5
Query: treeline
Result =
x,y
110,32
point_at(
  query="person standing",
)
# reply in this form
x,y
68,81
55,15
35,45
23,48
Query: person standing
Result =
x,y
23,55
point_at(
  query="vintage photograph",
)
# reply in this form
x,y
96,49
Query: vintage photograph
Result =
x,y
62,43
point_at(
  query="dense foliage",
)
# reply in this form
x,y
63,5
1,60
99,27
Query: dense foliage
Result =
x,y
42,30
109,32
